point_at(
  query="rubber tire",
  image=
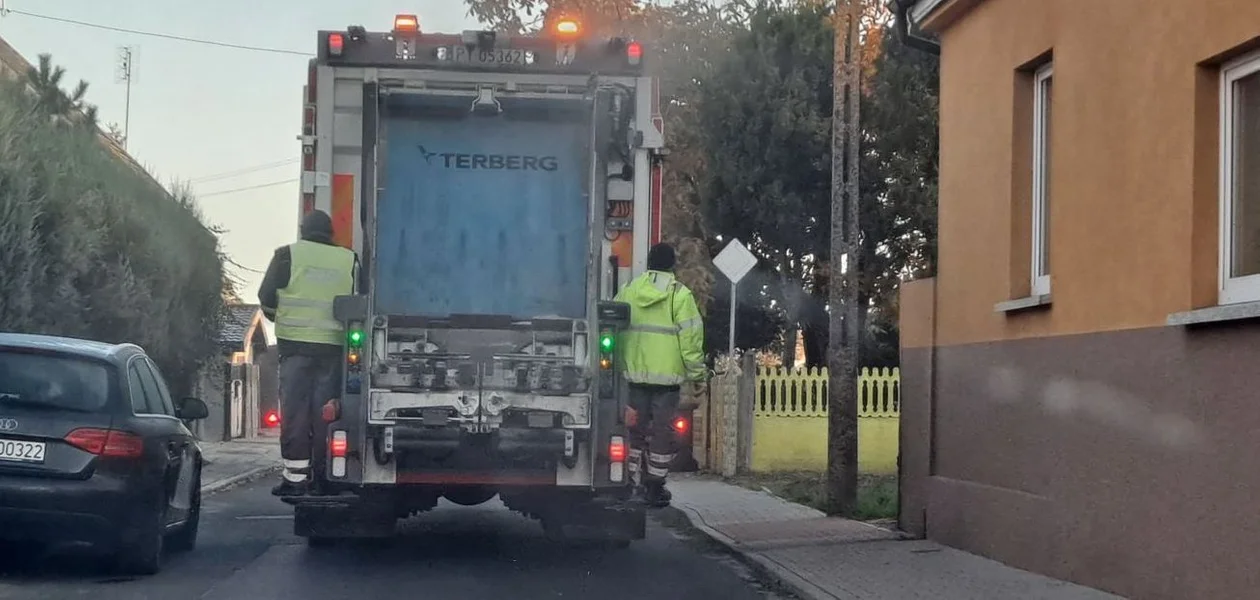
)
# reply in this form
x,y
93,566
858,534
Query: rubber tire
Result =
x,y
144,556
185,540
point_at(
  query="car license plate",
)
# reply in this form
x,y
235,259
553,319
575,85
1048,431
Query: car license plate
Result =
x,y
494,56
13,450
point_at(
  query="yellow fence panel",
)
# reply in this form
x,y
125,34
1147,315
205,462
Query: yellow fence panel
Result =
x,y
790,420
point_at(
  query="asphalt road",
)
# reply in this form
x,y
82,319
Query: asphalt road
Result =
x,y
247,551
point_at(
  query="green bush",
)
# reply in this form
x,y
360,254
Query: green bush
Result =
x,y
90,248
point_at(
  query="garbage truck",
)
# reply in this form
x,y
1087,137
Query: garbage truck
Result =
x,y
498,190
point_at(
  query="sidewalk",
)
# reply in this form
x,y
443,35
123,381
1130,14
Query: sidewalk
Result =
x,y
229,463
824,558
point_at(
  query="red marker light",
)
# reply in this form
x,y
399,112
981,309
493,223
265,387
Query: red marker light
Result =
x,y
634,52
681,425
336,43
272,418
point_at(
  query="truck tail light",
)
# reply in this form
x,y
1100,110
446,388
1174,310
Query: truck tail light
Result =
x,y
617,459
338,447
107,442
336,44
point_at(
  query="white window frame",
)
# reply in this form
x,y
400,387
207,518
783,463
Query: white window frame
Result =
x,y
1233,290
1040,176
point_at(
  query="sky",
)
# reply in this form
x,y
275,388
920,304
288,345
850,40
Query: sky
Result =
x,y
200,111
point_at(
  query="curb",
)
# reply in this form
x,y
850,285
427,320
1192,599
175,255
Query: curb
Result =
x,y
227,482
763,565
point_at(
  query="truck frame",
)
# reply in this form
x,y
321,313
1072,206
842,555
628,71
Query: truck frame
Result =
x,y
466,403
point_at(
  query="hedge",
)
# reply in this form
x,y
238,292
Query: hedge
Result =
x,y
90,248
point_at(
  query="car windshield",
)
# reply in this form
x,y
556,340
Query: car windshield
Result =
x,y
55,382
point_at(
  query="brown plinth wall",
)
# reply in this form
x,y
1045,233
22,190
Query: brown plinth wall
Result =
x,y
1127,460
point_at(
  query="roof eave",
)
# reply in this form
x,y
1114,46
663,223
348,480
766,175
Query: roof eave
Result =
x,y
935,15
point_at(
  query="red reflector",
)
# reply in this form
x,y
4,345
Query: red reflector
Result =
x,y
331,411
338,447
634,52
336,43
107,442
681,425
272,418
617,451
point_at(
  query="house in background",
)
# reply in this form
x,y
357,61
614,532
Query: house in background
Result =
x,y
241,387
1080,378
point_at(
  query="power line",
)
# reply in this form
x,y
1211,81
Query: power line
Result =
x,y
243,171
246,188
167,36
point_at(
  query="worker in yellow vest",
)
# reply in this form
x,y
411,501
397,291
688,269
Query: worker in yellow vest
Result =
x,y
297,293
661,349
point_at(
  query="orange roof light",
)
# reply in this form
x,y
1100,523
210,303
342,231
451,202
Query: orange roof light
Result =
x,y
406,24
568,26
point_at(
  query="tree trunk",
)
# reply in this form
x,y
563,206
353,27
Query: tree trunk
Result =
x,y
788,356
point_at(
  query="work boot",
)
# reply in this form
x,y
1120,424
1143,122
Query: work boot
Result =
x,y
656,495
289,489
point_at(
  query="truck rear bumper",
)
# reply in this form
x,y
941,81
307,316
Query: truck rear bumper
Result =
x,y
543,442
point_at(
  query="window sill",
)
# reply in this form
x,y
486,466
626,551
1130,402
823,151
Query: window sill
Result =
x,y
1216,314
1022,304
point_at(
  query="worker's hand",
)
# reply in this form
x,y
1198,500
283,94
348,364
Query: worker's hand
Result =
x,y
631,417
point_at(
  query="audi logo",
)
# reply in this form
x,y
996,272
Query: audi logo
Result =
x,y
8,424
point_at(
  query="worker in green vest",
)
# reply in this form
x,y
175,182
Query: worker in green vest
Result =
x,y
297,293
661,349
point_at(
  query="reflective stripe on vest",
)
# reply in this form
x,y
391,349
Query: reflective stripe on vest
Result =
x,y
318,274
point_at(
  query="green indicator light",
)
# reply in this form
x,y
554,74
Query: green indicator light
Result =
x,y
606,342
356,338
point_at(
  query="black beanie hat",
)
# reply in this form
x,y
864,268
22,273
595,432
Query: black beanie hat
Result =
x,y
661,258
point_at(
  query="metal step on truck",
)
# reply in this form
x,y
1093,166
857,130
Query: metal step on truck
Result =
x,y
498,189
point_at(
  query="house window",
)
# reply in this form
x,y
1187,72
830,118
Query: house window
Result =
x,y
1043,80
1240,181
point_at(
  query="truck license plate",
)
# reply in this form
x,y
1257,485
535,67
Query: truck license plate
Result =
x,y
495,56
13,450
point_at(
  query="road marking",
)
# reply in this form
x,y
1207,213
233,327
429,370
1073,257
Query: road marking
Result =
x,y
264,517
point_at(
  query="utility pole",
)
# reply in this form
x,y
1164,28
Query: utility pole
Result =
x,y
122,74
846,315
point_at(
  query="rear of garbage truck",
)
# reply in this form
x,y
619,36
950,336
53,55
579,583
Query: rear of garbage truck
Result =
x,y
498,190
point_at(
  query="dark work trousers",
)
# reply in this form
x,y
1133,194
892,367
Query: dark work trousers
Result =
x,y
652,435
306,384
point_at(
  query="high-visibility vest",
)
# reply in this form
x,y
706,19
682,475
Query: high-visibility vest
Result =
x,y
664,343
318,274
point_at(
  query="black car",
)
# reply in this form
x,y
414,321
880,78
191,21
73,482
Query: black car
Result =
x,y
93,450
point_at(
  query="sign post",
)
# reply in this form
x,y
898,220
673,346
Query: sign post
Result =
x,y
734,261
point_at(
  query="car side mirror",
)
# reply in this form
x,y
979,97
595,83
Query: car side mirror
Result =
x,y
192,409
